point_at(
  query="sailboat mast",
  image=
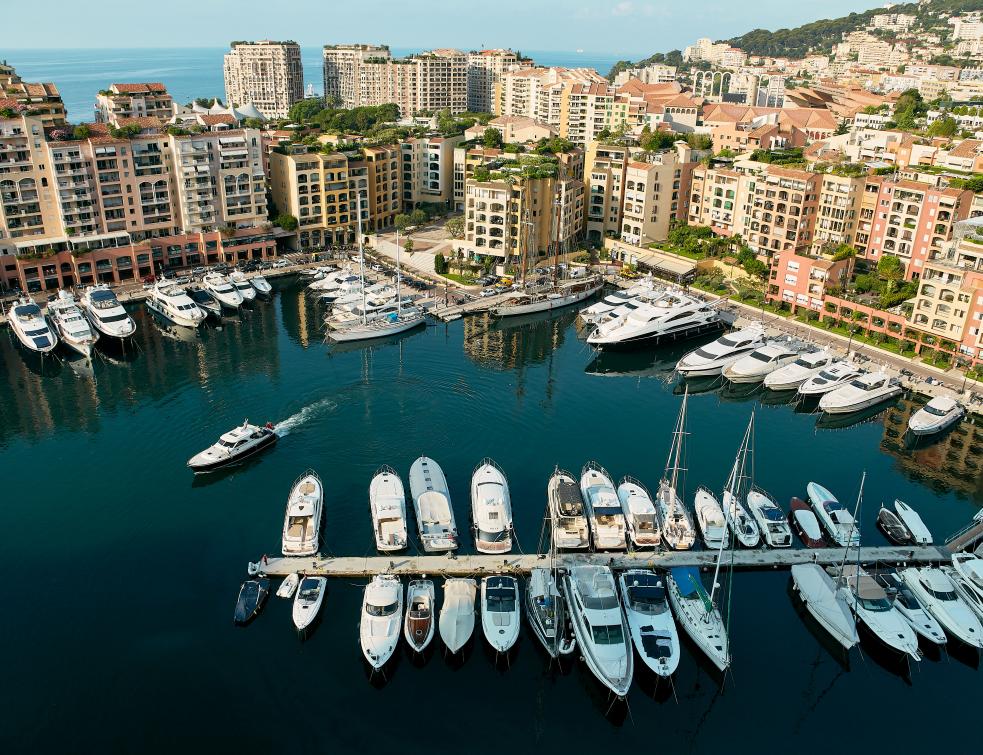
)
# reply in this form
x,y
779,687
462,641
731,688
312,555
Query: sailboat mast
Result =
x,y
557,203
853,527
732,486
676,451
361,250
399,304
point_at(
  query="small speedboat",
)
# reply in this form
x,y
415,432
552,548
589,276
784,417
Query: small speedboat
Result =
x,y
714,357
262,286
252,596
924,624
871,605
806,524
790,376
308,600
829,378
770,518
646,605
432,505
382,619
861,393
288,587
241,283
456,623
836,520
547,612
937,415
237,444
920,534
825,603
387,502
892,527
30,327
710,518
500,612
761,362
419,623
935,590
491,509
640,514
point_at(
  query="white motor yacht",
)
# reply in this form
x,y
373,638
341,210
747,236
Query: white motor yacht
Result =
x,y
382,619
222,289
710,518
640,515
566,507
834,517
937,415
387,502
592,315
171,301
326,280
334,289
547,612
825,604
763,361
965,591
106,314
870,604
491,509
302,520
70,324
205,301
968,569
678,531
421,606
236,445
262,286
31,328
500,612
924,624
790,376
671,316
600,626
860,393
456,622
936,591
829,379
308,600
712,358
241,283
698,615
741,523
607,522
646,605
770,517
432,505
920,534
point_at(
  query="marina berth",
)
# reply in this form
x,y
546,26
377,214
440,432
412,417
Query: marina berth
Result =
x,y
710,518
567,513
420,621
607,522
871,606
790,376
501,612
829,379
432,505
711,359
806,524
670,316
860,393
937,415
491,509
653,631
302,520
640,515
171,301
771,520
70,324
387,504
824,602
106,314
456,622
936,591
30,327
835,519
241,284
547,612
698,615
307,602
381,619
904,601
252,597
761,362
234,446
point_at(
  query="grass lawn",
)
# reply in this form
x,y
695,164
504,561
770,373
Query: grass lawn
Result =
x,y
462,279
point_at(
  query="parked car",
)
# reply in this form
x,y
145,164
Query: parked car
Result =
x,y
196,271
281,263
487,292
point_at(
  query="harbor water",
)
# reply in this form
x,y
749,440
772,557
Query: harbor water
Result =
x,y
123,568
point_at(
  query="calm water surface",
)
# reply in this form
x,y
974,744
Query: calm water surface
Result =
x,y
117,619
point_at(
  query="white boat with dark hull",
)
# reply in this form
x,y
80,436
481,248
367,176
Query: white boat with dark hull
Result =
x,y
220,287
824,602
500,612
671,316
924,624
567,514
607,522
646,605
861,393
937,415
547,611
829,379
456,622
836,520
262,286
678,531
770,517
70,324
241,283
32,330
641,517
710,518
491,509
432,505
238,444
420,622
763,361
968,574
920,534
387,503
790,376
106,314
307,601
712,358
870,604
600,626
529,301
698,614
205,301
936,591
382,619
302,520
171,301
613,301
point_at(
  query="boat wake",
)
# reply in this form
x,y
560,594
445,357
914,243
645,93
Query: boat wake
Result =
x,y
306,414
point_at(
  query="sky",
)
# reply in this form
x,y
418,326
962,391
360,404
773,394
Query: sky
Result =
x,y
630,29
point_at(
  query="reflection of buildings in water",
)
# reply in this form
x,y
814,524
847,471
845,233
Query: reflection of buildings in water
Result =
x,y
950,461
514,343
301,314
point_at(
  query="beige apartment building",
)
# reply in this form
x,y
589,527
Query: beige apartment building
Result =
x,y
267,74
719,199
538,92
656,195
485,70
38,100
145,100
343,73
427,170
604,173
838,211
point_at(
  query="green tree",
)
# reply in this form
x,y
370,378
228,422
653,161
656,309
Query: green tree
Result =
x,y
492,138
286,222
891,269
945,126
408,246
455,227
305,110
418,217
439,263
82,131
402,221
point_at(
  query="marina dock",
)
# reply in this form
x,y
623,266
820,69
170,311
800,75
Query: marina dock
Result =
x,y
451,565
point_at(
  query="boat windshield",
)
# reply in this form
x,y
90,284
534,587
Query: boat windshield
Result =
x,y
607,634
941,594
827,375
761,356
309,589
602,603
772,513
500,601
650,600
115,318
806,362
934,410
387,610
493,537
877,605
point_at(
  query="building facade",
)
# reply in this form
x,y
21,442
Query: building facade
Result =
x,y
267,74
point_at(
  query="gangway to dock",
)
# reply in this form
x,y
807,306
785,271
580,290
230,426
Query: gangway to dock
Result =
x,y
968,537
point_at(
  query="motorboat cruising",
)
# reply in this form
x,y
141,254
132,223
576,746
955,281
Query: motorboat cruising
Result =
x,y
31,328
825,603
835,519
252,597
790,376
420,621
712,358
968,573
205,301
698,614
607,522
237,444
937,415
805,523
106,314
222,289
241,283
710,518
872,607
547,612
860,393
613,301
566,507
72,327
491,509
771,520
920,534
678,531
432,505
307,601
670,316
531,300
234,446
387,502
936,591
599,626
893,528
641,517
456,623
646,605
382,619
924,624
829,379
500,612
171,301
262,286
302,520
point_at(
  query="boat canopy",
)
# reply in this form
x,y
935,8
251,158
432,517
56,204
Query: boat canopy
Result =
x,y
688,580
568,498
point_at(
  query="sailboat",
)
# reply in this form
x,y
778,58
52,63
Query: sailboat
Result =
x,y
741,523
545,603
363,329
698,612
677,527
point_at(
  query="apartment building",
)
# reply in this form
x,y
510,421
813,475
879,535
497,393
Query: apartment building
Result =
x,y
604,173
783,206
38,100
427,170
27,202
802,280
652,74
838,211
267,74
465,161
380,190
719,199
343,71
144,100
656,195
538,92
485,71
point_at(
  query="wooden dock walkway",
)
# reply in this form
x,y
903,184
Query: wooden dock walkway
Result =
x,y
477,565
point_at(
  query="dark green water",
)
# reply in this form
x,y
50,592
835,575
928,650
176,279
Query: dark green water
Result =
x,y
122,572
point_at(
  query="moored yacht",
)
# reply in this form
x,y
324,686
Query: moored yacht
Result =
x,y
241,284
220,287
763,361
262,286
387,502
252,597
307,601
790,376
421,607
547,612
833,516
829,379
904,600
500,612
671,316
937,415
936,591
712,358
456,623
566,508
640,515
171,301
968,570
710,518
770,518
592,315
860,393
302,520
563,294
30,327
870,604
678,531
106,314
205,301
646,606
69,322
806,524
432,505
381,620
491,509
920,534
741,523
699,616
825,603
607,522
